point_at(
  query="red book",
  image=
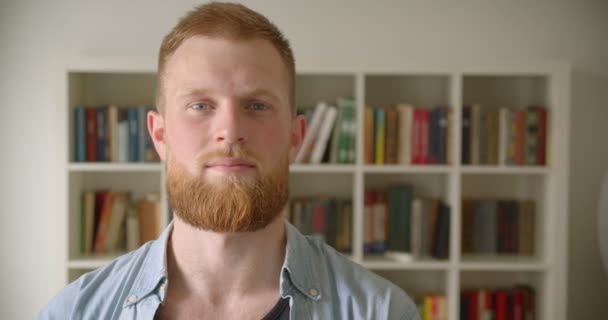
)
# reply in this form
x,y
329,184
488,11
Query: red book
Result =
x,y
500,305
518,313
420,138
487,308
104,223
542,136
318,220
473,305
91,115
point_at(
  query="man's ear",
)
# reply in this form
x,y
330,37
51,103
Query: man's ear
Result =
x,y
298,130
156,129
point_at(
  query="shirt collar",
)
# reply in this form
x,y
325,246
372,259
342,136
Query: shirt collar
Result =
x,y
298,268
153,271
299,265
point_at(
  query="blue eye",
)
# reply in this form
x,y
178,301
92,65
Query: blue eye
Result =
x,y
258,106
200,106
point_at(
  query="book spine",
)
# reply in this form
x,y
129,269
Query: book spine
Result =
x,y
101,133
142,132
380,135
80,134
91,114
405,134
113,132
311,132
324,133
475,128
369,135
466,135
542,137
520,122
391,135
442,132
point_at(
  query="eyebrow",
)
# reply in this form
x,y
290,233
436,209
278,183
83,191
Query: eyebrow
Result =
x,y
204,92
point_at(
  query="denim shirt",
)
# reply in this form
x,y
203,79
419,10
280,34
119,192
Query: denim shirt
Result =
x,y
319,282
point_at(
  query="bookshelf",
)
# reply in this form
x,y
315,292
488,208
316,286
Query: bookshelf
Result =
x,y
126,81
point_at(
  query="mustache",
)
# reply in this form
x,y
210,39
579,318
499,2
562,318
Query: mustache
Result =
x,y
229,152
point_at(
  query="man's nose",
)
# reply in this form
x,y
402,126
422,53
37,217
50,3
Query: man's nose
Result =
x,y
230,125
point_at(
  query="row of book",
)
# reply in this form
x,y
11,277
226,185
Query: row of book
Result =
x,y
432,307
407,135
329,219
330,133
403,227
505,136
498,304
112,222
112,134
498,227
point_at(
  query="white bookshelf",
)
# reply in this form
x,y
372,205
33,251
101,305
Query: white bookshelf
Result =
x,y
129,81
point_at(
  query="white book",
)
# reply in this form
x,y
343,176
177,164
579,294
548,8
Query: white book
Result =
x,y
404,147
325,131
311,131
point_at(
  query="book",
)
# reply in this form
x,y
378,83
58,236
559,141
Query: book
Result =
x,y
149,218
466,135
80,134
405,120
116,223
399,219
475,133
311,132
392,135
102,133
112,146
369,135
89,221
104,223
91,135
325,131
379,134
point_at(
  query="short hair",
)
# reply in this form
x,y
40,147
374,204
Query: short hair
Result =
x,y
230,21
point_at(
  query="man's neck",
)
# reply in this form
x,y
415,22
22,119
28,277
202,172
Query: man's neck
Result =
x,y
225,266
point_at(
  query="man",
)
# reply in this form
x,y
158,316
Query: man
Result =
x,y
227,129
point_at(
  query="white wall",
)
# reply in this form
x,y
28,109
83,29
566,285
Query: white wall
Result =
x,y
37,38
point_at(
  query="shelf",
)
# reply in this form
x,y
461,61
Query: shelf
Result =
x,y
92,262
114,167
322,168
407,168
499,263
382,263
540,170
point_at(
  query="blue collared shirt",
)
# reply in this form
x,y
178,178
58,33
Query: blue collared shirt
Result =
x,y
319,282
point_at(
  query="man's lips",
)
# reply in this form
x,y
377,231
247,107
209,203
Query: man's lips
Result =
x,y
230,162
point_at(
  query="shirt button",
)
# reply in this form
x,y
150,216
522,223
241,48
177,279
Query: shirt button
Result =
x,y
132,298
313,292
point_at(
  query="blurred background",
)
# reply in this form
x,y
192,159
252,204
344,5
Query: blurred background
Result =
x,y
38,39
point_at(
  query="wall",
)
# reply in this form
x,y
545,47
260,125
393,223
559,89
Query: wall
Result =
x,y
38,38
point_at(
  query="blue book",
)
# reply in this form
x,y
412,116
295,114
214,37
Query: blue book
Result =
x,y
133,133
102,130
141,134
80,132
